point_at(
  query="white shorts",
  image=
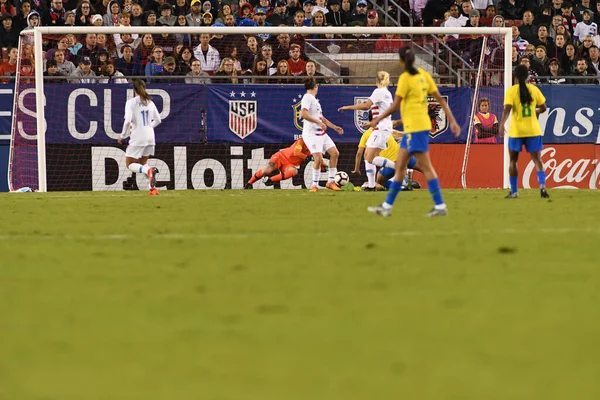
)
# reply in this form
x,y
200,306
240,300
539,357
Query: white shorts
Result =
x,y
378,139
318,144
139,151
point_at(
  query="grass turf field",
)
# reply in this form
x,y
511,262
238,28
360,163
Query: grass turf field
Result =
x,y
291,295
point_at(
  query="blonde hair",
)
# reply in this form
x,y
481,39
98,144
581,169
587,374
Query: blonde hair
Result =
x,y
383,78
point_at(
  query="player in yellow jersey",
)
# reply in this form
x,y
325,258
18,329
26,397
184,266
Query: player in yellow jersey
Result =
x,y
414,86
526,102
390,152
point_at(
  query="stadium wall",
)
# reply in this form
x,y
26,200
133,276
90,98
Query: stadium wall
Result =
x,y
246,123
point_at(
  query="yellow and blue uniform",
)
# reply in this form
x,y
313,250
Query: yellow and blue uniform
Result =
x,y
414,90
524,125
390,152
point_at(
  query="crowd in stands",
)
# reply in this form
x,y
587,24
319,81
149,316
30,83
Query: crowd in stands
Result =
x,y
554,38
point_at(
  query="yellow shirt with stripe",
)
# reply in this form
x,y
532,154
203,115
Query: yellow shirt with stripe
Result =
x,y
414,90
524,122
390,152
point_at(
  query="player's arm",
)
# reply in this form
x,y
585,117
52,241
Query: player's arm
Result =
x,y
484,133
359,155
156,117
397,134
299,152
306,117
454,127
126,122
360,106
505,114
395,106
396,122
333,126
541,109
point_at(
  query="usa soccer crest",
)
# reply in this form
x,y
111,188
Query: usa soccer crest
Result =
x,y
296,103
243,117
439,119
361,116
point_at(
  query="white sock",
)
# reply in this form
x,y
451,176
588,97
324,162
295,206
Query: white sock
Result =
x,y
371,172
384,162
316,176
332,173
139,168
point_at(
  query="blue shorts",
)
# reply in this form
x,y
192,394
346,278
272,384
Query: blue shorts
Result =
x,y
532,144
415,142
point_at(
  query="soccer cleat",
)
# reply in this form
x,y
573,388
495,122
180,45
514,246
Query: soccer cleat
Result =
x,y
544,193
153,192
267,181
380,210
368,189
152,177
333,186
437,213
314,188
248,186
514,195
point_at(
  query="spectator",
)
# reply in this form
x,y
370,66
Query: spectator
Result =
x,y
183,38
455,20
196,75
181,8
155,63
152,19
282,51
63,44
207,19
511,9
9,68
223,11
111,18
311,72
166,15
260,71
7,7
540,56
569,61
282,74
54,15
388,43
292,7
65,67
466,6
249,53
372,18
107,43
545,17
594,60
83,13
126,39
97,20
554,73
528,31
184,61
435,9
20,20
9,35
585,27
33,20
335,16
515,57
597,13
308,8
144,49
346,11
417,7
490,13
194,18
569,19
561,30
267,54
581,70
535,70
555,23
296,65
226,73
167,42
101,59
560,47
209,57
360,14
581,7
169,72
246,11
544,39
232,52
83,73
485,123
111,75
280,14
127,64
51,75
557,7
137,16
586,45
89,50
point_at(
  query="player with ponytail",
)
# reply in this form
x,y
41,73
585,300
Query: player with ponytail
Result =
x,y
141,117
526,102
415,85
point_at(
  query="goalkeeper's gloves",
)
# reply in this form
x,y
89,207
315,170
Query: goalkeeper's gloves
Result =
x,y
324,167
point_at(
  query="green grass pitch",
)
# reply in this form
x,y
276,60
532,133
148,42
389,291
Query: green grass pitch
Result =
x,y
288,295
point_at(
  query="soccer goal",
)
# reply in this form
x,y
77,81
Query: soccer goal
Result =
x,y
226,115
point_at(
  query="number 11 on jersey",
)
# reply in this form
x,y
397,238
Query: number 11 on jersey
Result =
x,y
145,117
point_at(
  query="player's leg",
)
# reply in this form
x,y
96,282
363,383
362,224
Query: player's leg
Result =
x,y
285,172
315,144
514,148
370,168
395,185
534,146
334,155
266,170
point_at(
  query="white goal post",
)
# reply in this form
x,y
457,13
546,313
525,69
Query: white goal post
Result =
x,y
39,66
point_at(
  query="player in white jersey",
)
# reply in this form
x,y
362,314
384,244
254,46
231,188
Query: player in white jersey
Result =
x,y
141,117
380,100
313,133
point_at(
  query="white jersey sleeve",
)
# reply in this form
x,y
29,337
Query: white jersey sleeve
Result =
x,y
382,100
312,105
140,120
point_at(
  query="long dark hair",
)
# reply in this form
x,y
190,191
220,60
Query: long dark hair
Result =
x,y
407,55
522,74
139,86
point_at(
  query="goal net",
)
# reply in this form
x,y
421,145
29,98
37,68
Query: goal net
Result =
x,y
228,101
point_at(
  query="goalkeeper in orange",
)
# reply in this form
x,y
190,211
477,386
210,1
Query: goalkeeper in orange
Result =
x,y
287,161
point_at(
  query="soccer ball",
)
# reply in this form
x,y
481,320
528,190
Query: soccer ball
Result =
x,y
341,178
